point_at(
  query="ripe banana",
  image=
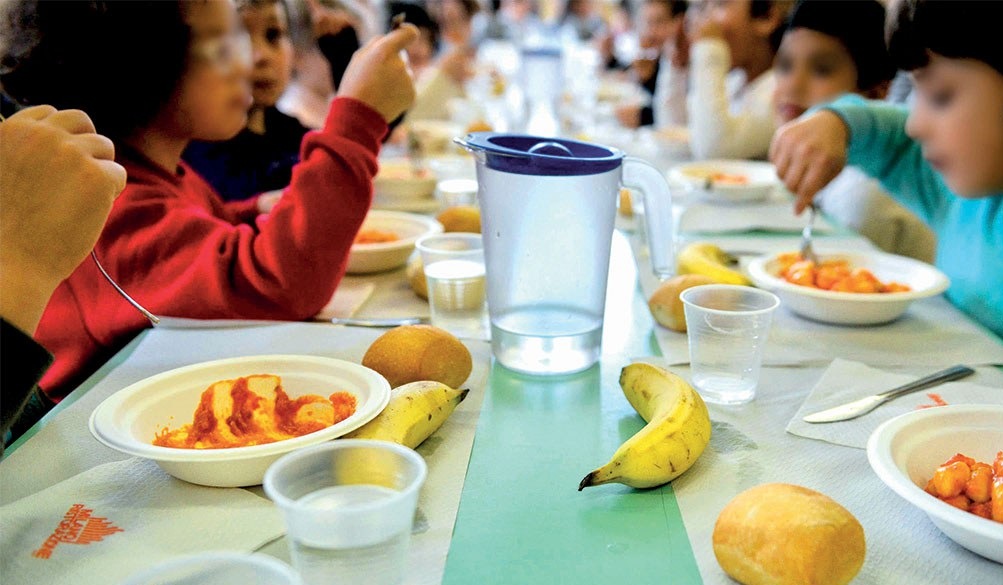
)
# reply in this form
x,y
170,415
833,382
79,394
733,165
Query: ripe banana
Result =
x,y
707,259
677,432
415,411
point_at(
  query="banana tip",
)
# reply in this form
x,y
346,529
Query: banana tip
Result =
x,y
463,393
586,481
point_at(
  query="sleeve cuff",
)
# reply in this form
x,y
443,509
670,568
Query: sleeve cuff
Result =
x,y
710,53
356,121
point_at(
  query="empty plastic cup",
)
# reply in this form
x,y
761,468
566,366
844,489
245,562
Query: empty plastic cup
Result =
x,y
727,327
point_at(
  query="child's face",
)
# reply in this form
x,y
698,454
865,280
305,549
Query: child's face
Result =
x,y
268,26
740,30
810,68
657,25
214,95
421,51
958,119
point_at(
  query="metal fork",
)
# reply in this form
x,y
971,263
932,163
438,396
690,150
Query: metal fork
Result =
x,y
807,251
153,318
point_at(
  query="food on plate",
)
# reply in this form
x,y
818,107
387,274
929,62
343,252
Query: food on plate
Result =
x,y
970,485
718,178
253,410
677,432
834,275
626,203
709,260
460,218
415,273
415,411
665,305
411,353
481,125
783,534
374,236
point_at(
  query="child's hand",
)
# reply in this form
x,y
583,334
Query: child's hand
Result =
x,y
329,21
377,75
808,153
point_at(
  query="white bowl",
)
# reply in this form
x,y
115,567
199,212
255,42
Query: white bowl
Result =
x,y
129,419
398,182
377,257
905,451
761,179
843,308
436,136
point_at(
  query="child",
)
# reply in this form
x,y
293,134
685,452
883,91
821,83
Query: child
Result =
x,y
731,84
659,71
830,48
169,240
261,157
944,159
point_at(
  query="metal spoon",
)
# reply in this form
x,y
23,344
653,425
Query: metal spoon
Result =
x,y
807,252
153,318
391,322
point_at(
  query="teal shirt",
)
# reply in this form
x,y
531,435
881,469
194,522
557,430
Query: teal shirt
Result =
x,y
969,231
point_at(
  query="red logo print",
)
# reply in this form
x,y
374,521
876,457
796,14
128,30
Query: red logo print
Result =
x,y
937,401
78,526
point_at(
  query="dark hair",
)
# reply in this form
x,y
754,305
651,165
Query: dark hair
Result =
x,y
676,7
859,26
762,9
415,15
118,61
957,29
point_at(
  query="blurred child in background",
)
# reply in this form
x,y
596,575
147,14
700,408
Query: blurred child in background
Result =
x,y
261,157
943,159
828,49
154,76
729,105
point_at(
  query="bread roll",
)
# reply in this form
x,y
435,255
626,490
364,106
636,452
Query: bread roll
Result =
x,y
782,534
411,353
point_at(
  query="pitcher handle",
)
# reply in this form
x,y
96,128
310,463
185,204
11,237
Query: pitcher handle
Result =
x,y
658,225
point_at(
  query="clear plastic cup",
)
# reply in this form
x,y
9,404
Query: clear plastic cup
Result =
x,y
455,273
218,568
727,327
453,192
348,506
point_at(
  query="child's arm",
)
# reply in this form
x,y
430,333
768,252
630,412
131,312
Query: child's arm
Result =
x,y
669,102
714,130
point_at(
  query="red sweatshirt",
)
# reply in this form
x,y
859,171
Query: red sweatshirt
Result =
x,y
177,249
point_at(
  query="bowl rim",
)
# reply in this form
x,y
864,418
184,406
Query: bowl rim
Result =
x,y
431,225
765,279
679,172
882,462
102,417
429,178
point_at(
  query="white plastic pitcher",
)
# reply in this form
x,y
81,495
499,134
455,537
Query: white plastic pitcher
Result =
x,y
547,213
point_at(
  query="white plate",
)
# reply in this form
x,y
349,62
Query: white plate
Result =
x,y
378,257
396,182
843,308
128,420
761,179
413,205
905,451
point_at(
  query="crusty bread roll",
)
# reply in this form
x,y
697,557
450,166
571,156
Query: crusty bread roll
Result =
x,y
782,534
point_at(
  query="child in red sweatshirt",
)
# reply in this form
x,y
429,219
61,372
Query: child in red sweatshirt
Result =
x,y
154,76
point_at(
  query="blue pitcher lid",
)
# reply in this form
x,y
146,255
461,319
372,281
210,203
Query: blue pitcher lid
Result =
x,y
535,155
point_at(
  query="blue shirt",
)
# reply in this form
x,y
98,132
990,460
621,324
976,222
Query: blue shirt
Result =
x,y
969,231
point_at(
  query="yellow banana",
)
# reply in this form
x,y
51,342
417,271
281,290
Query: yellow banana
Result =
x,y
415,411
677,432
710,260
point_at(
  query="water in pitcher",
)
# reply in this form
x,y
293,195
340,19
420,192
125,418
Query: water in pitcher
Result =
x,y
378,564
571,342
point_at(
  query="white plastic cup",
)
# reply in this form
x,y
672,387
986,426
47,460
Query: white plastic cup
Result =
x,y
349,507
217,568
457,284
727,326
454,192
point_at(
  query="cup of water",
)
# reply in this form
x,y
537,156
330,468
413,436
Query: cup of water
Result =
x,y
349,506
727,327
454,270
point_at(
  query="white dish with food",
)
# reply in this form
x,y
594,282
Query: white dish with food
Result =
x,y
378,256
905,452
129,420
400,180
727,181
852,308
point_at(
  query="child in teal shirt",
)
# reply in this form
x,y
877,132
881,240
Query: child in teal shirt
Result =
x,y
943,160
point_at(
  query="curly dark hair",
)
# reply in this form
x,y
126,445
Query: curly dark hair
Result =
x,y
118,61
957,29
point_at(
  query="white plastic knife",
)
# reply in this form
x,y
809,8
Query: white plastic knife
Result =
x,y
861,407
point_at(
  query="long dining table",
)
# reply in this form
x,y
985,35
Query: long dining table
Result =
x,y
502,504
